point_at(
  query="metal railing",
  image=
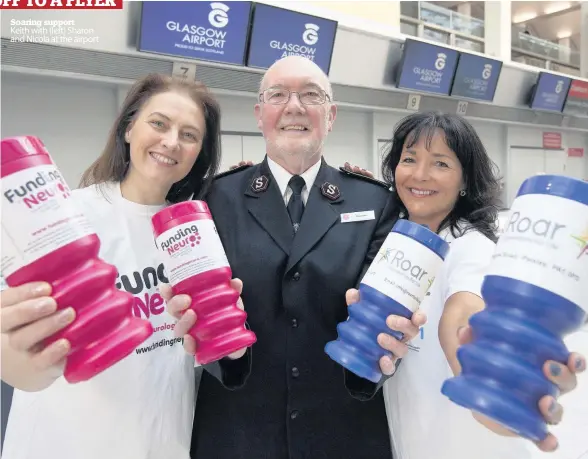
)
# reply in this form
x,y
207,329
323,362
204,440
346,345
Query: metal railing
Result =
x,y
544,51
451,20
426,20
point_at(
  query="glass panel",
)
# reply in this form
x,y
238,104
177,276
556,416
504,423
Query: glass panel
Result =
x,y
515,39
525,59
468,44
546,48
435,15
575,58
451,20
563,69
409,29
467,24
435,35
536,62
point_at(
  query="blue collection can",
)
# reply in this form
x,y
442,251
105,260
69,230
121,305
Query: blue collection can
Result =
x,y
395,283
536,293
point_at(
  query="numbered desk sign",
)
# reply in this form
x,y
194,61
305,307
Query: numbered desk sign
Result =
x,y
184,70
414,101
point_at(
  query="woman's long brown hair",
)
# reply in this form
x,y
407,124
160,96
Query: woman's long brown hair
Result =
x,y
113,163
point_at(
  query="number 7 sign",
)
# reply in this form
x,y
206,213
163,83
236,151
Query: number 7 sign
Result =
x,y
184,70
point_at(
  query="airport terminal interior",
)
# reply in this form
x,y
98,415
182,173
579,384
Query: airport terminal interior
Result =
x,y
516,70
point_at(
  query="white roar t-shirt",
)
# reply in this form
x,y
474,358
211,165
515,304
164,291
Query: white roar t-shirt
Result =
x,y
140,408
423,422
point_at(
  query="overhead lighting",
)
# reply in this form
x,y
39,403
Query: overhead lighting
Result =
x,y
523,17
564,34
556,7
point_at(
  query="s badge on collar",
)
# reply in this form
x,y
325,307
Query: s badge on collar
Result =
x,y
330,191
259,184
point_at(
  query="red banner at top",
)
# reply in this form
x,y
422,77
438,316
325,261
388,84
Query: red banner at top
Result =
x,y
61,4
579,89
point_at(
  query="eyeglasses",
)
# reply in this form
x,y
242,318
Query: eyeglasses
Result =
x,y
280,96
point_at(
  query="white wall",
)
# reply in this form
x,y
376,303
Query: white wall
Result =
x,y
383,129
493,136
237,114
350,140
534,137
526,156
73,117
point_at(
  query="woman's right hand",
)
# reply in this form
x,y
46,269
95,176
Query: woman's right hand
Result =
x,y
241,163
28,317
178,307
358,170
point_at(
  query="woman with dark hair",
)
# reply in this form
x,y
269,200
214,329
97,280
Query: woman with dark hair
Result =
x,y
163,148
443,178
467,187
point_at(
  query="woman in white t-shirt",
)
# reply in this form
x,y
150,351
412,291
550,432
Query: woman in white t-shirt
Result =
x,y
164,148
443,178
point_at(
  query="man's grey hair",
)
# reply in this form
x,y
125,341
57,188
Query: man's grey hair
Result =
x,y
328,89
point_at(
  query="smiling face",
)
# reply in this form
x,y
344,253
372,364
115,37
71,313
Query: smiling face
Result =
x,y
165,139
295,129
428,179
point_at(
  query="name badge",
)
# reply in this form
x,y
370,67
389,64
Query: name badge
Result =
x,y
358,216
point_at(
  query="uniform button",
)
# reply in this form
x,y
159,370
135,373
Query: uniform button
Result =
x,y
296,276
294,414
295,372
294,323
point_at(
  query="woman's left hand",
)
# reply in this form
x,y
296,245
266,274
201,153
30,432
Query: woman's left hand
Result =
x,y
563,376
410,328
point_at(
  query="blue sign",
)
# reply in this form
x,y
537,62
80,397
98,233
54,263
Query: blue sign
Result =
x,y
211,31
427,68
550,92
279,33
476,77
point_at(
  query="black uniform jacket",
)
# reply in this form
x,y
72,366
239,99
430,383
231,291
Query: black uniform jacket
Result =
x,y
286,399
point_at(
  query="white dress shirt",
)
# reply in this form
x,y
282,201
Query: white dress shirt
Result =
x,y
282,177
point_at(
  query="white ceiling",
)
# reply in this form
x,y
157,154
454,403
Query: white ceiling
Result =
x,y
549,20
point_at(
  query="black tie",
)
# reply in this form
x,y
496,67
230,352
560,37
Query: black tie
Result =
x,y
296,205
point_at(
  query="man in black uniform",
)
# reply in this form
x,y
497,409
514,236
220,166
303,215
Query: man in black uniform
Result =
x,y
299,234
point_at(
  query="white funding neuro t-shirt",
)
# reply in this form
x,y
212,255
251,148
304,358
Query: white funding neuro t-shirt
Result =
x,y
140,408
